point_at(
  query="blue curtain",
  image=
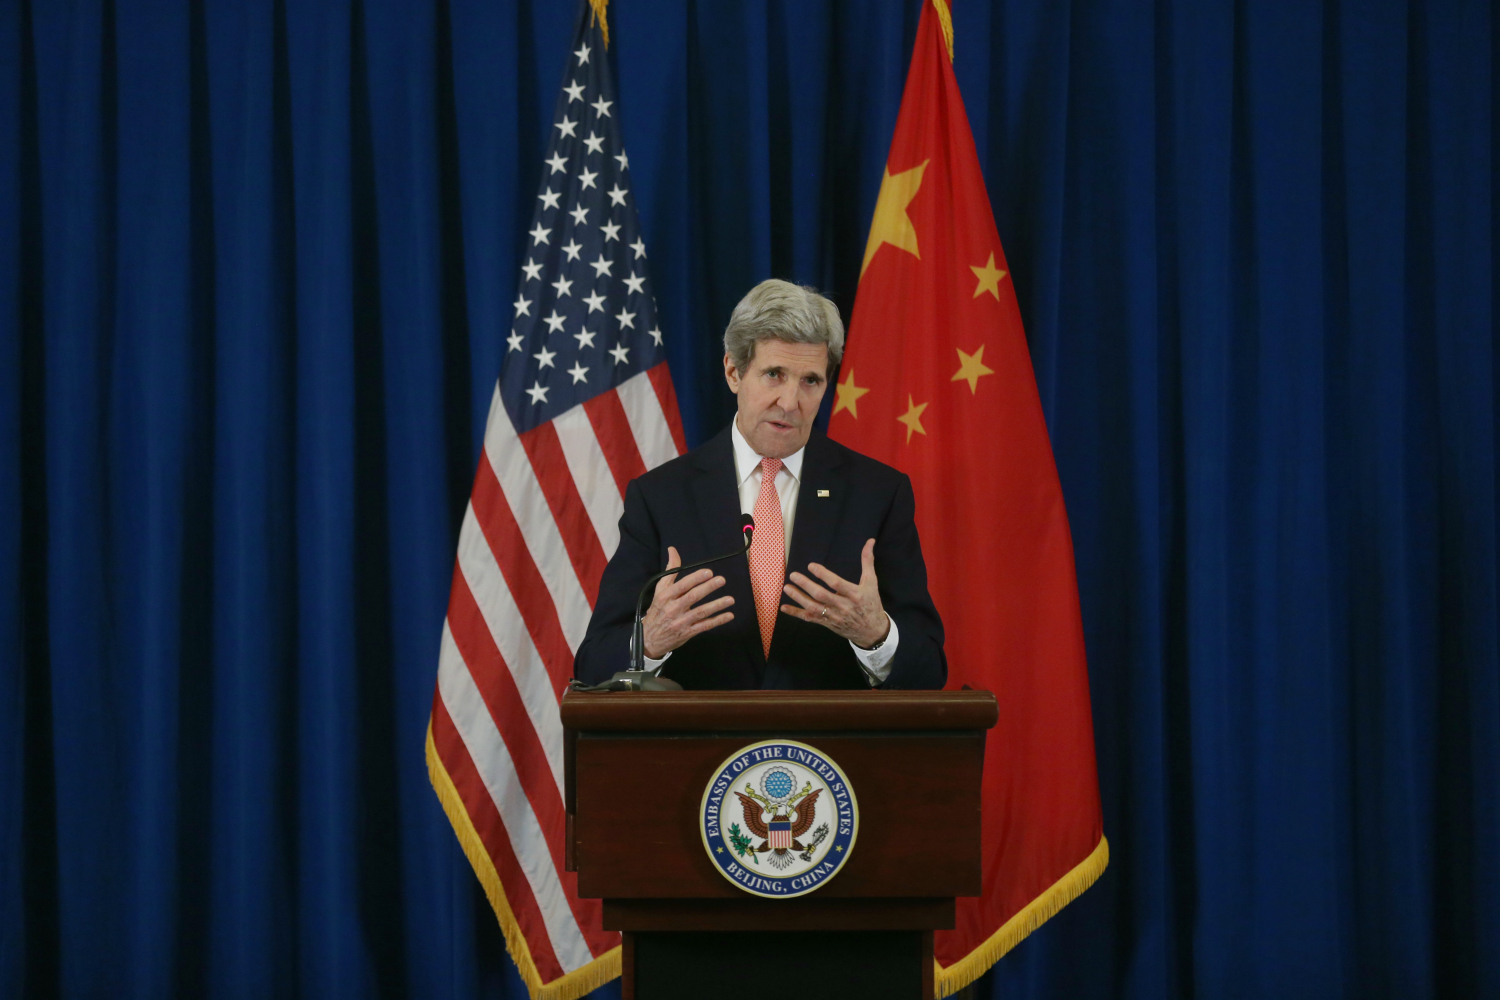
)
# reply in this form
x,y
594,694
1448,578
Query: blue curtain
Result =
x,y
256,266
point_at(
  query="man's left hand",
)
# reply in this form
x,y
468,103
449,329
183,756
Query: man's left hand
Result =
x,y
852,610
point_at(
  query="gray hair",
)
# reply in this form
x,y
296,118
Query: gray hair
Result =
x,y
780,310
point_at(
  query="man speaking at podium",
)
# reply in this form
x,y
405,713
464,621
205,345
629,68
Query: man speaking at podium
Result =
x,y
853,611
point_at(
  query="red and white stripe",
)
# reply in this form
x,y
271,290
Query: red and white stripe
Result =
x,y
542,521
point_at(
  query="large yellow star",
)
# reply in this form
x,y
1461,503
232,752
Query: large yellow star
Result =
x,y
989,278
971,367
912,418
891,223
849,394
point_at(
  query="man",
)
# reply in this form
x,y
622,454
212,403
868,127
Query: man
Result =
x,y
854,610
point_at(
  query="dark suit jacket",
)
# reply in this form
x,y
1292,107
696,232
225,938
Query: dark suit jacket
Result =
x,y
693,502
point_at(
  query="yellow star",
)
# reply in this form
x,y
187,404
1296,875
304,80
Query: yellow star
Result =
x,y
971,367
912,418
891,223
849,394
989,278
839,848
721,850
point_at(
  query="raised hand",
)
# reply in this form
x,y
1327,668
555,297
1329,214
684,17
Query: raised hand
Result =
x,y
673,618
852,610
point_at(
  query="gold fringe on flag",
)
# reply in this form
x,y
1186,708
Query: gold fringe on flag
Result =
x,y
1062,892
945,19
571,986
600,6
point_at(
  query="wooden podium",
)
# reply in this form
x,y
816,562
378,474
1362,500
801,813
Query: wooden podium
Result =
x,y
637,766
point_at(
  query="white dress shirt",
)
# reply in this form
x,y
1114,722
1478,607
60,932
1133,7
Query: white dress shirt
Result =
x,y
876,662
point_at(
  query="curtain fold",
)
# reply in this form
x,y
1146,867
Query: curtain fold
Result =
x,y
257,263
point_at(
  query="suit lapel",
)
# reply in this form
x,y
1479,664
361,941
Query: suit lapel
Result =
x,y
716,497
825,472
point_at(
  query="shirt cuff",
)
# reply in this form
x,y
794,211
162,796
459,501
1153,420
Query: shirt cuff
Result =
x,y
877,662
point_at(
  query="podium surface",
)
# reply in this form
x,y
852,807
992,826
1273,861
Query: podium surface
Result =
x,y
637,767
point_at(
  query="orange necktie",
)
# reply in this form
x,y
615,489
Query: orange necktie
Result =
x,y
768,552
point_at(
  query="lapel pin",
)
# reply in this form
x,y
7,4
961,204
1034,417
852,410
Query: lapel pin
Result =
x,y
822,493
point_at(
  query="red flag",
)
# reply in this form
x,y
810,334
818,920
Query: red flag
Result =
x,y
937,381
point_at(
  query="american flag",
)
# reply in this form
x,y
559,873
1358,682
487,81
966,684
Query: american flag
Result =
x,y
584,403
781,834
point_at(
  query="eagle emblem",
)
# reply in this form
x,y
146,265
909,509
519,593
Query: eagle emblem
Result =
x,y
780,817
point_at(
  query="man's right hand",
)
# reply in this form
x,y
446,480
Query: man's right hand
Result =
x,y
672,618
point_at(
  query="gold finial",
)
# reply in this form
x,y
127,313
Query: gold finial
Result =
x,y
601,5
945,19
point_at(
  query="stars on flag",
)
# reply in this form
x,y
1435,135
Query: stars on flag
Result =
x,y
848,396
971,368
989,278
590,274
891,223
912,418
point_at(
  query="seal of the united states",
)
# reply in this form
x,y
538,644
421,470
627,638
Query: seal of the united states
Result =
x,y
779,818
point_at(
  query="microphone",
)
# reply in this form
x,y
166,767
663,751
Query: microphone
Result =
x,y
638,646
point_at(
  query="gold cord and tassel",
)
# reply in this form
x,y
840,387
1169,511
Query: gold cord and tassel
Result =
x,y
600,6
572,985
945,19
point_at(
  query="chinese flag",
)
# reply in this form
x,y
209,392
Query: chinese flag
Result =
x,y
937,382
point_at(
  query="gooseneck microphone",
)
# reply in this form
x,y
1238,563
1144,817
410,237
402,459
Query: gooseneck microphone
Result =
x,y
638,643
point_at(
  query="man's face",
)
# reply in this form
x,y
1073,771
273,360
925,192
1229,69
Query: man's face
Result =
x,y
779,395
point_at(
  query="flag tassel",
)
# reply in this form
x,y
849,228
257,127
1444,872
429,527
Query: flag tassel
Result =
x,y
572,985
1015,930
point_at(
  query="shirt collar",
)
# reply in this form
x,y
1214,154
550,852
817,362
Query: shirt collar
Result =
x,y
747,461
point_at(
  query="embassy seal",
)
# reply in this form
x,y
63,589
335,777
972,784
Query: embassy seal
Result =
x,y
779,819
